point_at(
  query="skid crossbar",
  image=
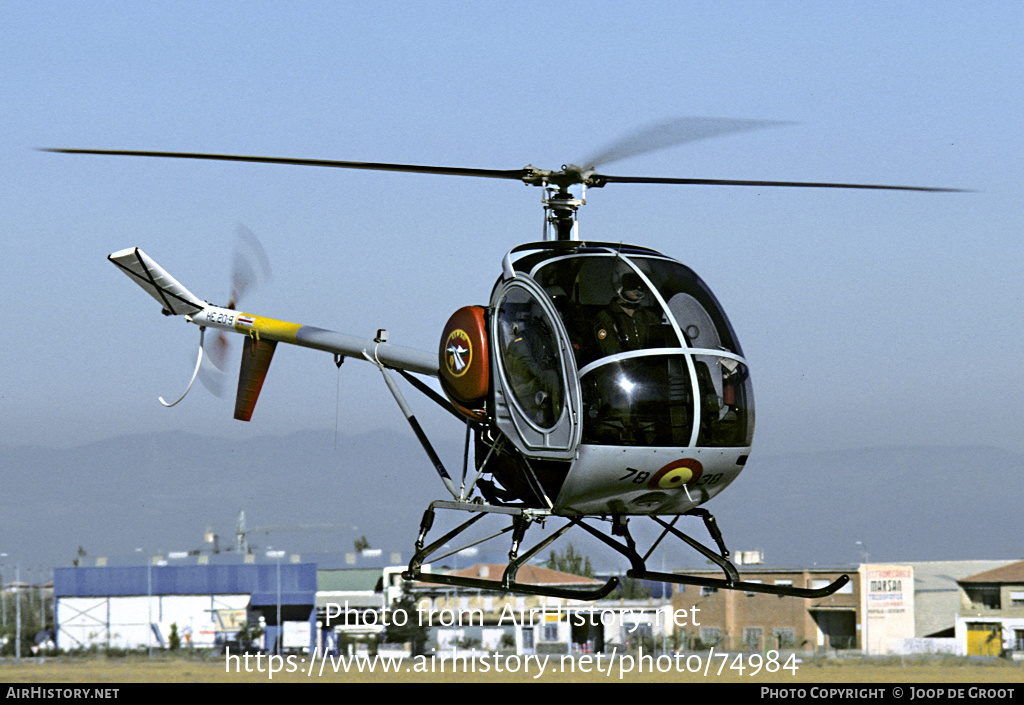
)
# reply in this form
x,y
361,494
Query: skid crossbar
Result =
x,y
523,517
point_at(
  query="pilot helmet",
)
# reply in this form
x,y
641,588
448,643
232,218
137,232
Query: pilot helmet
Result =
x,y
630,288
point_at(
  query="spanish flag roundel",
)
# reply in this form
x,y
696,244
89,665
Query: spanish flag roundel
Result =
x,y
676,474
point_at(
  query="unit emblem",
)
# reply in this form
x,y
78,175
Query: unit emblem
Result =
x,y
458,353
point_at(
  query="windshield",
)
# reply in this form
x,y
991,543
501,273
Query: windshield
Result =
x,y
658,361
612,304
649,400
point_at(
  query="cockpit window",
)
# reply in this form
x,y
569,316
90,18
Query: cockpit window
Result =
x,y
693,307
529,351
649,400
726,402
658,362
638,401
612,304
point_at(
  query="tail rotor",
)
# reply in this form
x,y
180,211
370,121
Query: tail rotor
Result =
x,y
250,270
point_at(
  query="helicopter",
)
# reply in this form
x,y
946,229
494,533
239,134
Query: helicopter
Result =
x,y
601,384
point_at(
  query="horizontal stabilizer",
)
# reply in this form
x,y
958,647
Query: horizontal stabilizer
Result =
x,y
175,299
256,357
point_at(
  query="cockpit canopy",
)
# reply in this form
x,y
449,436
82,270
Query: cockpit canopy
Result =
x,y
637,338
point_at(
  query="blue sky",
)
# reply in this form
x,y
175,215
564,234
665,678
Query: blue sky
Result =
x,y
869,318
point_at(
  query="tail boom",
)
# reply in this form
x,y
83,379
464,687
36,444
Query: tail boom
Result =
x,y
264,333
261,328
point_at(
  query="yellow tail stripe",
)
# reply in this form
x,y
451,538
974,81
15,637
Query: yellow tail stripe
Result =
x,y
259,327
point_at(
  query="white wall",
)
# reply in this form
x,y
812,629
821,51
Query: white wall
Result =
x,y
125,622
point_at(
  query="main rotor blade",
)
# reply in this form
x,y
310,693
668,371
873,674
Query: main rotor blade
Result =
x,y
601,179
671,133
373,166
668,134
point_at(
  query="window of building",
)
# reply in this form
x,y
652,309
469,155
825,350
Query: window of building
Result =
x,y
1018,639
785,582
987,597
527,638
783,638
709,636
1017,598
753,637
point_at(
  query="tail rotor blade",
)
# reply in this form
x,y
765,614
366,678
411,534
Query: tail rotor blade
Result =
x,y
212,377
251,266
250,269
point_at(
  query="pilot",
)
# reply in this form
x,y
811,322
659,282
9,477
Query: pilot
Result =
x,y
531,360
624,324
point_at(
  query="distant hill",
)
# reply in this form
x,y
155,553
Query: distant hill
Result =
x,y
909,504
160,492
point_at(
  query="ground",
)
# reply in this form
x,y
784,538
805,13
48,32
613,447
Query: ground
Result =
x,y
101,671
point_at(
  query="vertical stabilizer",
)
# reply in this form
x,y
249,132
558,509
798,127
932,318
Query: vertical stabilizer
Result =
x,y
256,357
155,281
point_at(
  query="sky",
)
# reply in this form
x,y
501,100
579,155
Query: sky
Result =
x,y
869,319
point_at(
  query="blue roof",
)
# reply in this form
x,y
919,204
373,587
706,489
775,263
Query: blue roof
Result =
x,y
296,582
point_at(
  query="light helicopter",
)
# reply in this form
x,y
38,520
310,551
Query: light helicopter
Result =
x,y
601,384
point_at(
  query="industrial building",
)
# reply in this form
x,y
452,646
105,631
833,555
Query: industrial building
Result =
x,y
735,620
886,608
991,616
340,602
202,604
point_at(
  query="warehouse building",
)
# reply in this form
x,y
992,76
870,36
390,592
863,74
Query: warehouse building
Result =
x,y
991,619
747,621
886,608
959,607
203,602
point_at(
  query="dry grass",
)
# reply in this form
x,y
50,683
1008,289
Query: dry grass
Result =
x,y
101,671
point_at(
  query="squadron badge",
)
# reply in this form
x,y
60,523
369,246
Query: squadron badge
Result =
x,y
458,353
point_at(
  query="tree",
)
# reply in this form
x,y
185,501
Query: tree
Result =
x,y
633,589
570,562
248,637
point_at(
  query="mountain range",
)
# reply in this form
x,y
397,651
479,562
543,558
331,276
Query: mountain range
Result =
x,y
314,492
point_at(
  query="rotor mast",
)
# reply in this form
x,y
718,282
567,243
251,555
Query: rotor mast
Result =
x,y
560,205
560,214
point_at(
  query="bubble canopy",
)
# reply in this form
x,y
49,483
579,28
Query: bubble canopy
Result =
x,y
640,335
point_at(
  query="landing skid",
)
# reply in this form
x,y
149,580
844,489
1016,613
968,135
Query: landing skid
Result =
x,y
521,518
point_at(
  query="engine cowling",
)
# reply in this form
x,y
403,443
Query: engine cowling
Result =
x,y
464,358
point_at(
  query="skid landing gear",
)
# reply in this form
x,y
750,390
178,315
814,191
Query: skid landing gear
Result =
x,y
521,520
620,540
